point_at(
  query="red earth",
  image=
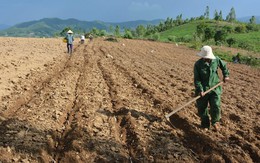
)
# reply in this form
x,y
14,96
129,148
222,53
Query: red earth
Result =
x,y
108,100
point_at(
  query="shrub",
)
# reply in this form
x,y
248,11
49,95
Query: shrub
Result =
x,y
224,55
240,29
172,38
220,36
228,28
231,41
155,37
128,35
196,45
186,38
249,60
246,45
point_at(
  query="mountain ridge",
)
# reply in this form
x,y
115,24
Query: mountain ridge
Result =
x,y
48,27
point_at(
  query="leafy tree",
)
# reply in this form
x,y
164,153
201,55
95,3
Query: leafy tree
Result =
x,y
160,27
231,17
150,29
216,16
140,30
117,31
111,29
128,34
95,31
201,17
179,19
169,23
206,14
220,15
252,20
252,26
102,33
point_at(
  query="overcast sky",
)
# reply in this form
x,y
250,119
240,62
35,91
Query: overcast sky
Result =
x,y
18,11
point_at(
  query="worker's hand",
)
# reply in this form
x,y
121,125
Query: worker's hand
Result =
x,y
226,79
202,94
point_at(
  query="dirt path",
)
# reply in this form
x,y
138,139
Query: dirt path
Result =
x,y
107,101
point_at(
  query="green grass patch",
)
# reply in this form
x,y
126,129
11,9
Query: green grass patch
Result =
x,y
249,41
248,60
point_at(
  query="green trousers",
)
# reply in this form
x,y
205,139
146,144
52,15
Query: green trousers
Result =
x,y
213,99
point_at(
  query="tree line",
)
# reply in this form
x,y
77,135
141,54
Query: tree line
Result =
x,y
204,31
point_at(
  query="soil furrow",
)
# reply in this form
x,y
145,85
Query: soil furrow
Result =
x,y
107,102
36,87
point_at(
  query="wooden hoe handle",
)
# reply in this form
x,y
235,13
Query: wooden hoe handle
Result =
x,y
167,116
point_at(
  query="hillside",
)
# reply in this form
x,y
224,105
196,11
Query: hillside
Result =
x,y
48,27
248,40
108,100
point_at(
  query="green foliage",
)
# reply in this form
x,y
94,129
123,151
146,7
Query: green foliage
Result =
x,y
231,17
64,31
155,37
246,45
252,27
206,14
186,38
249,41
231,41
196,45
249,60
220,36
226,56
252,20
97,32
208,33
201,29
244,59
128,34
117,31
240,28
140,31
172,38
228,28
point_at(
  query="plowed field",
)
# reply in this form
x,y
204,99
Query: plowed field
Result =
x,y
107,102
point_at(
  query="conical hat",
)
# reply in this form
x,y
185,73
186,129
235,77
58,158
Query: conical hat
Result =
x,y
70,31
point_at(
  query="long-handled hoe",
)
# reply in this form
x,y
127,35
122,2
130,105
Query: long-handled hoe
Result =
x,y
167,116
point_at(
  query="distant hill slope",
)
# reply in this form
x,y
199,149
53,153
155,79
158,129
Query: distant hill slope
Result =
x,y
47,27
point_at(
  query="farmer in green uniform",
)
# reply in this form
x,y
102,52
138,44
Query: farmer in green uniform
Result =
x,y
205,77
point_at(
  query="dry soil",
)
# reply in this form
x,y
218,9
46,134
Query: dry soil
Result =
x,y
107,103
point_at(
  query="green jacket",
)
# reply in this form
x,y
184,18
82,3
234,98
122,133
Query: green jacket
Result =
x,y
206,75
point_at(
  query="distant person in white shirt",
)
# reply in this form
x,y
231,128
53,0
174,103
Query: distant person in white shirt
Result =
x,y
82,39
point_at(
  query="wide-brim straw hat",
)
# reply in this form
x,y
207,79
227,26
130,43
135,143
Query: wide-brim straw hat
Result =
x,y
70,31
206,52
